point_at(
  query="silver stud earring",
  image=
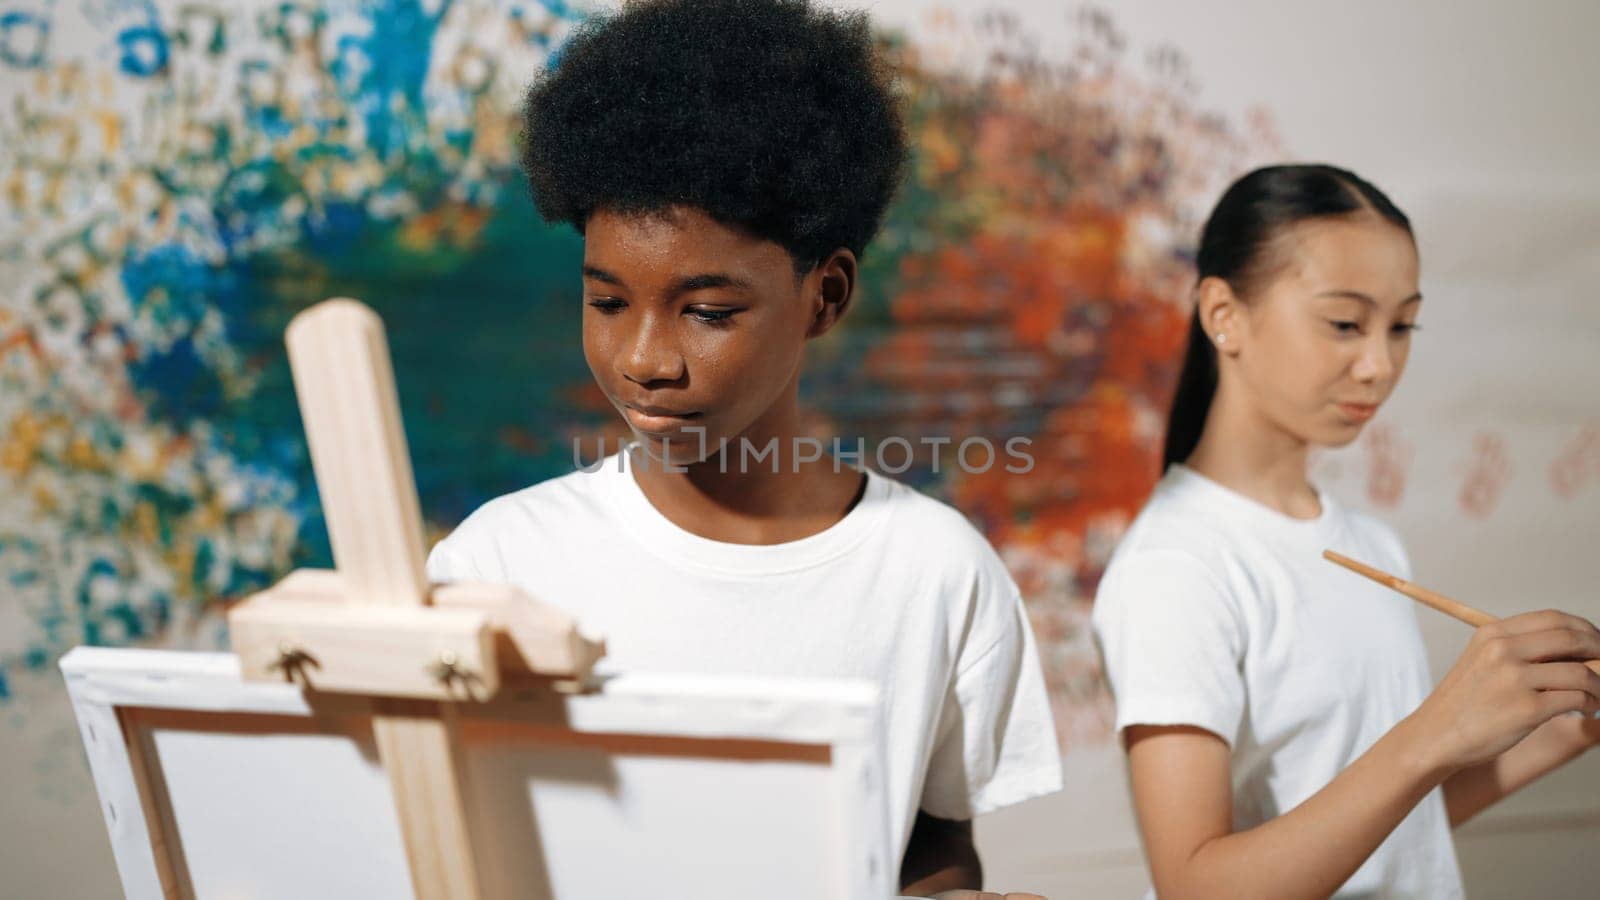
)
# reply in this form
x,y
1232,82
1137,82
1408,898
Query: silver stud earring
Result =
x,y
1222,339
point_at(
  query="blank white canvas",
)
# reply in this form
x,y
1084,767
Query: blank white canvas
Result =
x,y
262,817
655,786
749,827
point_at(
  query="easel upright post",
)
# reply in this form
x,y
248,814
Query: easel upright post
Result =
x,y
348,400
374,628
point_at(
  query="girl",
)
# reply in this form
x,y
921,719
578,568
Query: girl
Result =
x,y
1281,734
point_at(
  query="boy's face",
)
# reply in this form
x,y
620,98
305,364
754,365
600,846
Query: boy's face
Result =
x,y
689,324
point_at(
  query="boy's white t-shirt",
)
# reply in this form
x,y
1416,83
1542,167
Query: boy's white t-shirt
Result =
x,y
1220,612
902,591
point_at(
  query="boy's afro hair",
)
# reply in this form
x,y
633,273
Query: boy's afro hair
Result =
x,y
771,116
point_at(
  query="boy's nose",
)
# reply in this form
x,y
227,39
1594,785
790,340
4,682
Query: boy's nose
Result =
x,y
652,355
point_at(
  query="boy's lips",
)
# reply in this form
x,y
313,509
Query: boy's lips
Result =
x,y
658,419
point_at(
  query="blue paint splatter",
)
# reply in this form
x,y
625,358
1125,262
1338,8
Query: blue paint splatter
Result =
x,y
251,199
186,281
267,120
97,569
177,383
132,623
144,51
23,39
388,64
337,229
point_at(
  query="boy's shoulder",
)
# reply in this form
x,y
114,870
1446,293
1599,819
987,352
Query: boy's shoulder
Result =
x,y
565,501
938,534
927,515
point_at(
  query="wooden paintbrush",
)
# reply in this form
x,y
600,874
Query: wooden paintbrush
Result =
x,y
1454,608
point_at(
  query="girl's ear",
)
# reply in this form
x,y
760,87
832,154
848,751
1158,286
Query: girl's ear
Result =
x,y
1221,315
830,288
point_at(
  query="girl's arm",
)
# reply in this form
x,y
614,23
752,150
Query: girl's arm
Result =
x,y
1184,799
1513,676
1550,746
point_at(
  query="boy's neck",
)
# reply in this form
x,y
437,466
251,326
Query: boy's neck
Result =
x,y
742,500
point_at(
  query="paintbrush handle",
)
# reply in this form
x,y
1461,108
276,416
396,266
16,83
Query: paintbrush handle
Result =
x,y
1450,607
1453,608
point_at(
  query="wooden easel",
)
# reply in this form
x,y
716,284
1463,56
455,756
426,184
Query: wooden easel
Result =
x,y
374,627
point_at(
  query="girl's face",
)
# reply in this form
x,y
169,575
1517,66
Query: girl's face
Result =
x,y
1321,344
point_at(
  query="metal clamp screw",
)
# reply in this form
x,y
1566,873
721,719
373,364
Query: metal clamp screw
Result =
x,y
448,668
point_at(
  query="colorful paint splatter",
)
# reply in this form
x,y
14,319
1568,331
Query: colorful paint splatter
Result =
x,y
181,178
178,181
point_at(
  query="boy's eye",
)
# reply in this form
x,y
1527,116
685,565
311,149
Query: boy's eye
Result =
x,y
711,315
1405,327
607,305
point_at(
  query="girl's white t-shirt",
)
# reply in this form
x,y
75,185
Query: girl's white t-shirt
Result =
x,y
902,591
1219,612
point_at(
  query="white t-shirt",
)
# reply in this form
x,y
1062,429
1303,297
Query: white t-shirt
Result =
x,y
902,591
1220,612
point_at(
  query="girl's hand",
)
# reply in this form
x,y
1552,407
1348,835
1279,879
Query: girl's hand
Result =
x,y
1574,734
1515,675
1582,732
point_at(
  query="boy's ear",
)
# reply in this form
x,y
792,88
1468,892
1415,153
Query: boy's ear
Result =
x,y
830,287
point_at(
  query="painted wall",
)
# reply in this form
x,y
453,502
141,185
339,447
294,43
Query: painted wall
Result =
x,y
178,179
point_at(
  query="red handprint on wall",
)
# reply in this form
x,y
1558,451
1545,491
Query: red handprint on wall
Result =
x,y
1389,458
1488,472
1577,465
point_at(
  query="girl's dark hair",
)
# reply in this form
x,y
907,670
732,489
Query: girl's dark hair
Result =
x,y
1236,246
